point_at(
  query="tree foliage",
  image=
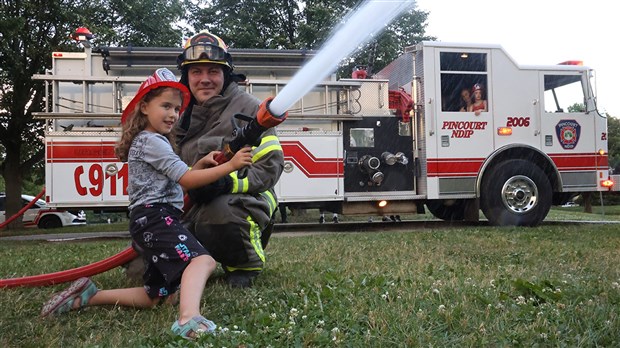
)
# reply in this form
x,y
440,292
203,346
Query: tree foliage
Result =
x,y
149,23
29,32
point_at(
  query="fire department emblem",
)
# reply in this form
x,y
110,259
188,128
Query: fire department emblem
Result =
x,y
568,132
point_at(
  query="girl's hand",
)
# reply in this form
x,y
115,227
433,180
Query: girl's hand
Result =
x,y
207,161
242,158
210,159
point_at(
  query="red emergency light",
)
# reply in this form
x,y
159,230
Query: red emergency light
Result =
x,y
572,62
82,34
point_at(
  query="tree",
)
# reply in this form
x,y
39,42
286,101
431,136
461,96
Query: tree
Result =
x,y
29,32
307,24
148,23
613,142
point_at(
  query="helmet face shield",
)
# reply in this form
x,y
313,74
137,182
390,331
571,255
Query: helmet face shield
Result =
x,y
204,52
205,47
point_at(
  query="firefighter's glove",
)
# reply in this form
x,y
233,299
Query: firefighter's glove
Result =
x,y
206,194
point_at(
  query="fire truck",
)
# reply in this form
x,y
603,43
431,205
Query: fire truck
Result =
x,y
391,143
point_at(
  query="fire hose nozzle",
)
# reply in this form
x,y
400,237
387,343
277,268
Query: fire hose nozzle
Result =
x,y
266,118
251,132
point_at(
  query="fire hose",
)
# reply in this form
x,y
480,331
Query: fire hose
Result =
x,y
357,30
72,274
22,210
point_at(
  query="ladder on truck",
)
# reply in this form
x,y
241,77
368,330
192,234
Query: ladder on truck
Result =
x,y
98,94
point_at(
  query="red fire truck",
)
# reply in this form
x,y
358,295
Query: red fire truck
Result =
x,y
391,143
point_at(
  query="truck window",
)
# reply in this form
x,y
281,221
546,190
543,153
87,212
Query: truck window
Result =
x,y
564,93
461,74
362,137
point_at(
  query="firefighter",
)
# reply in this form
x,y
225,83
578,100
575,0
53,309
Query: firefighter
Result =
x,y
234,216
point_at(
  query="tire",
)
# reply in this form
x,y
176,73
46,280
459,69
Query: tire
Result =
x,y
50,221
447,210
516,193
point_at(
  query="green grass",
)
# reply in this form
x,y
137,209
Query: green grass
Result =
x,y
463,287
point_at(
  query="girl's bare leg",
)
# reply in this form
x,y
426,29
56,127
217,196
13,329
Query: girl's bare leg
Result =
x,y
192,285
128,297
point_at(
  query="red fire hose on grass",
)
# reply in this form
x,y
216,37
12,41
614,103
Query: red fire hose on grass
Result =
x,y
72,274
65,276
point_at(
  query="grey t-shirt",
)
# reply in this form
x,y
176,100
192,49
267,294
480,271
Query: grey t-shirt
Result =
x,y
154,171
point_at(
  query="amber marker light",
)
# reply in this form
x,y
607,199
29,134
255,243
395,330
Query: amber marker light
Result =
x,y
382,204
602,152
504,131
607,183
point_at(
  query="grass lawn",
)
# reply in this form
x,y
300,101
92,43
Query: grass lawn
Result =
x,y
464,287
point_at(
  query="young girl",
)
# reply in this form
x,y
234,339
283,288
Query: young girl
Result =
x,y
174,258
478,104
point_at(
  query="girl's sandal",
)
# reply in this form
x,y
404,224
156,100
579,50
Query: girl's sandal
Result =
x,y
195,327
62,302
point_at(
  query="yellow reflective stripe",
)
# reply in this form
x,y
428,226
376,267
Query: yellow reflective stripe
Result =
x,y
267,144
263,152
245,184
232,269
255,239
239,185
269,138
235,187
271,200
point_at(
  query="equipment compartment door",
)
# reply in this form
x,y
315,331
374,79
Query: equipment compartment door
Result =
x,y
377,158
312,167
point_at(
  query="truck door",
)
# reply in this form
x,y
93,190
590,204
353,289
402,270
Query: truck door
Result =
x,y
568,132
462,121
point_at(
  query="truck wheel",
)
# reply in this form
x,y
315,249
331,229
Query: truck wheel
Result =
x,y
516,192
50,221
448,210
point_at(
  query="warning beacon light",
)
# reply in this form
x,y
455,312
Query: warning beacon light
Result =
x,y
83,36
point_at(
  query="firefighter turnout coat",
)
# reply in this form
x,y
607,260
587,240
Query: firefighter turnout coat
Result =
x,y
230,225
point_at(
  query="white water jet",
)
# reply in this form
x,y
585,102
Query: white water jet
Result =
x,y
369,19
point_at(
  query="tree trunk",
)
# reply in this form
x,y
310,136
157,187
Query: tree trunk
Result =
x,y
587,202
13,182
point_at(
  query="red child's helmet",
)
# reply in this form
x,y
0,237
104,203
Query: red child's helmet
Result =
x,y
161,78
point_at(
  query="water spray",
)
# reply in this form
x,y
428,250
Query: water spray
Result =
x,y
357,29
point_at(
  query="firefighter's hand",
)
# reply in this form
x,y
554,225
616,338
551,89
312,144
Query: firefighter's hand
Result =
x,y
242,158
206,194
